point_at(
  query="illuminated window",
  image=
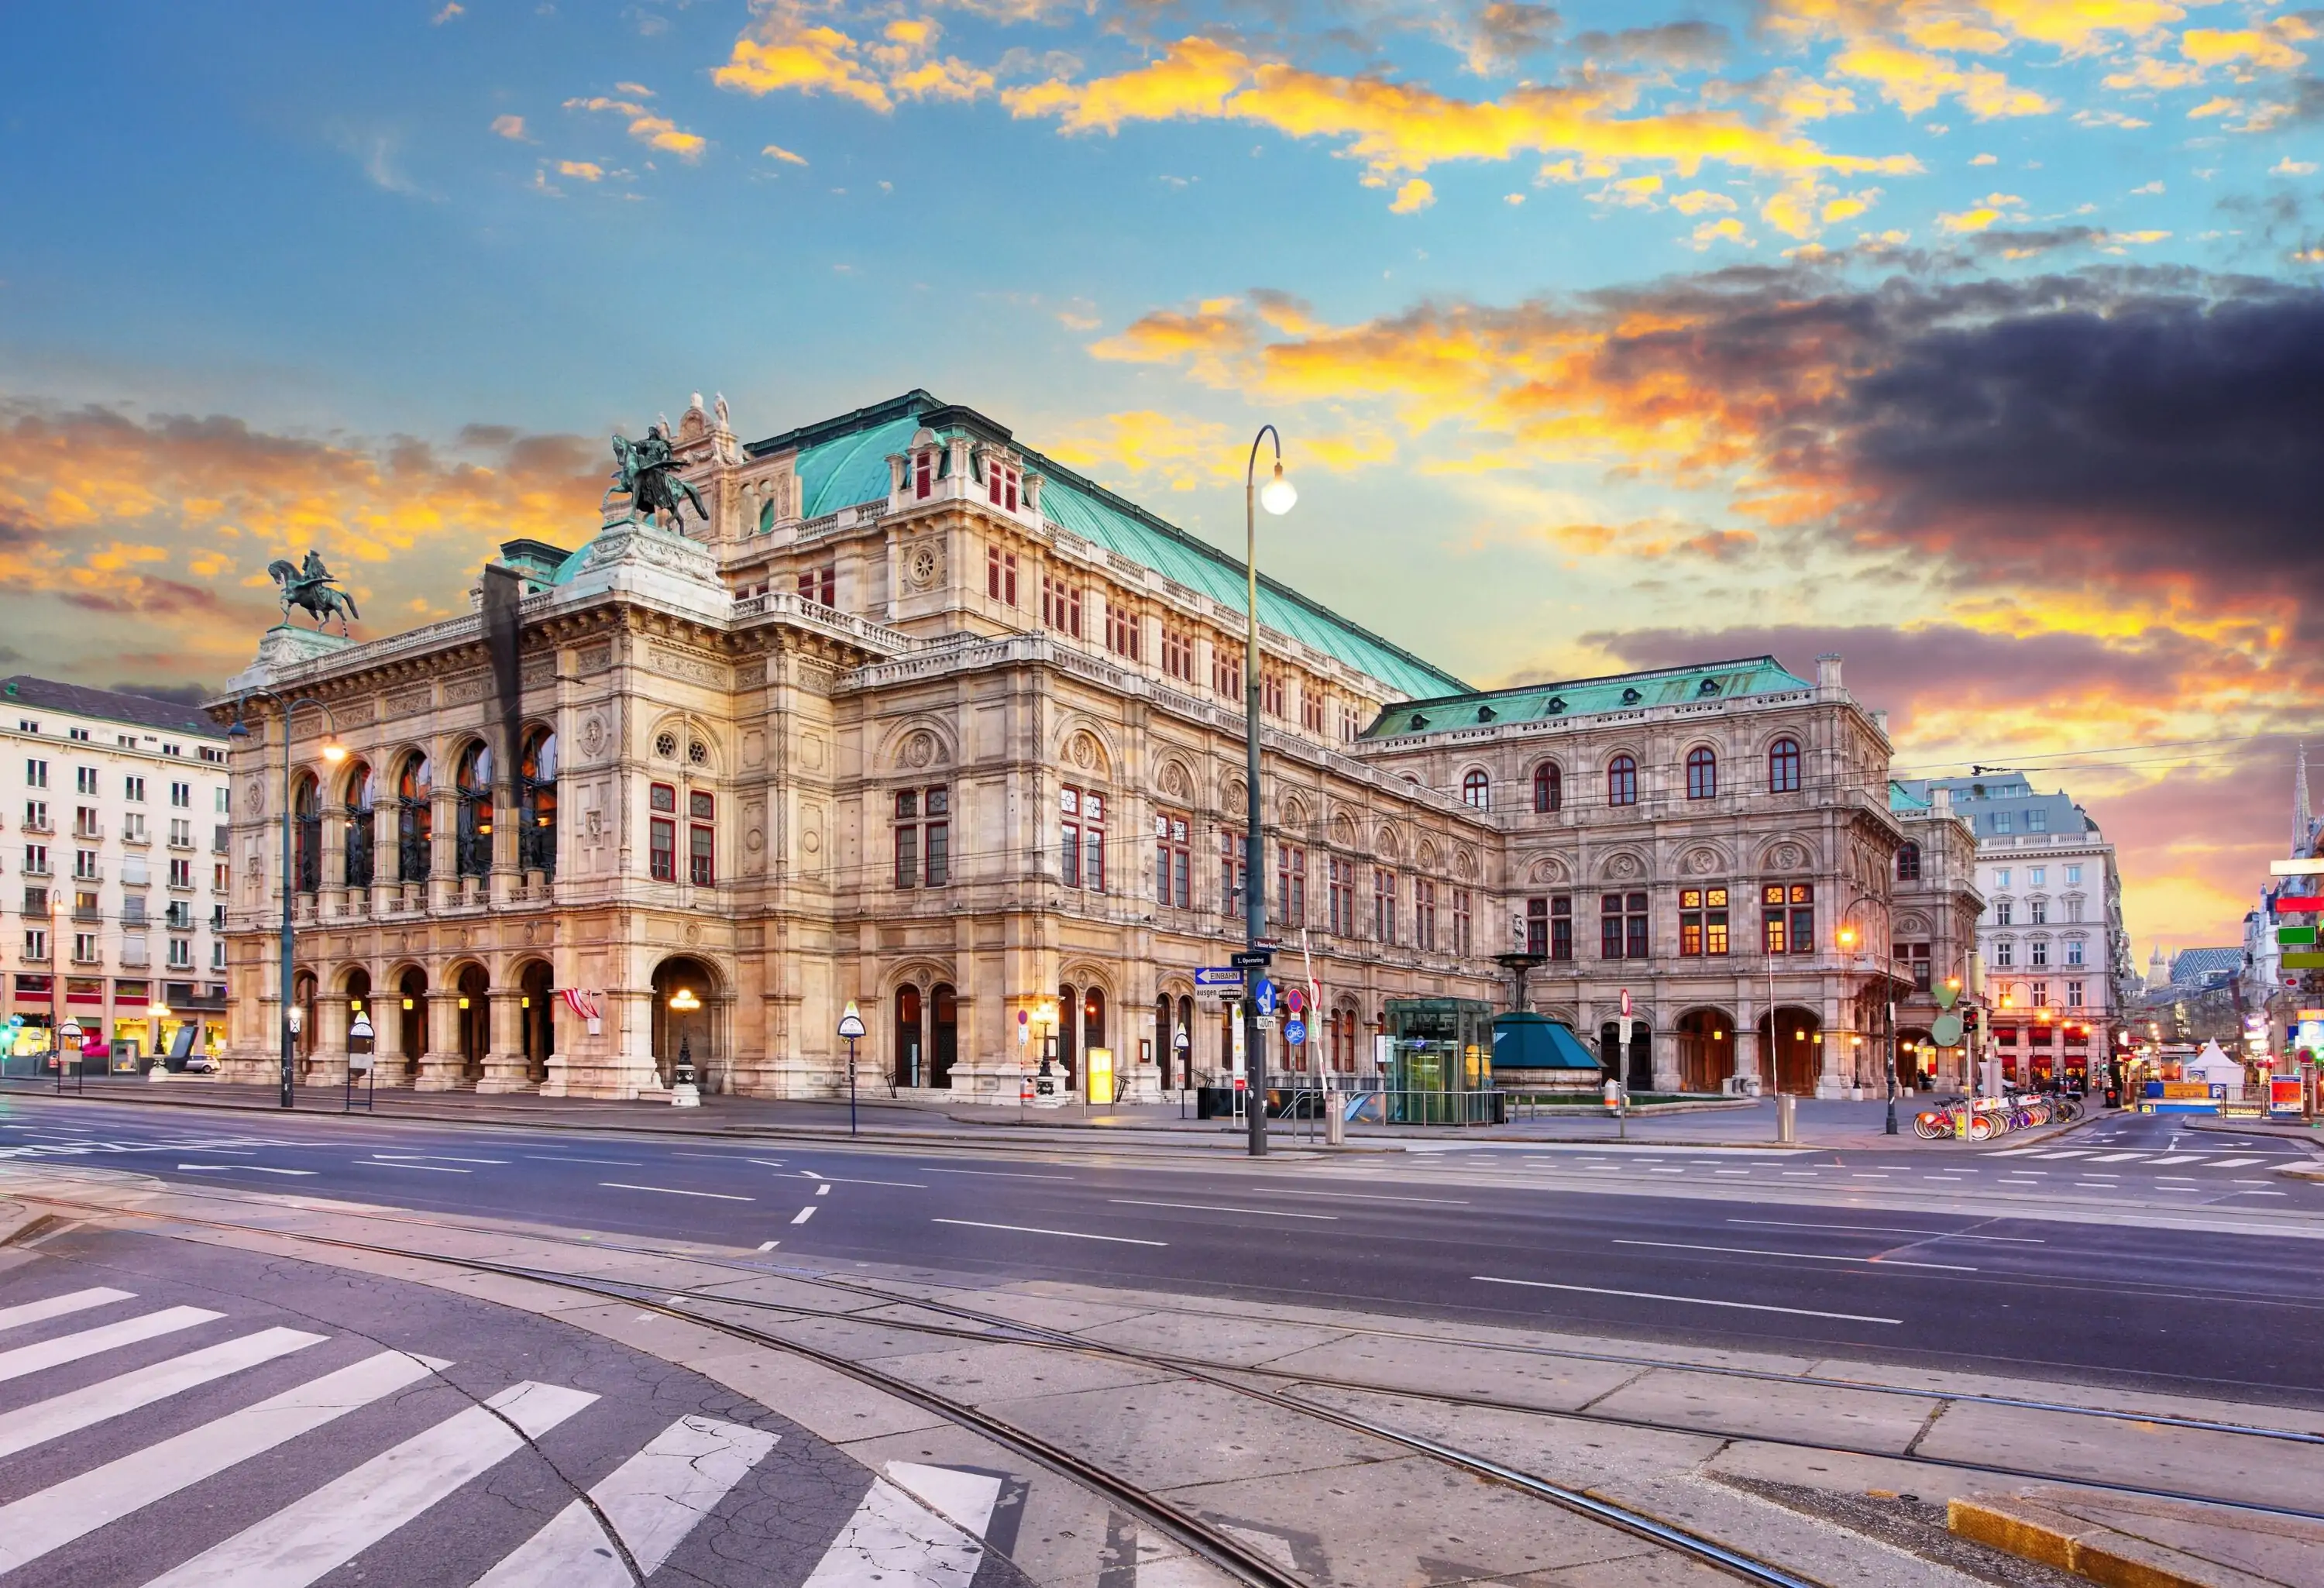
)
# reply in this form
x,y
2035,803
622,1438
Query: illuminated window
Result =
x,y
1703,926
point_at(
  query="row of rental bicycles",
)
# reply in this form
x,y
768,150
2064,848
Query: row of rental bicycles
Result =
x,y
1981,1118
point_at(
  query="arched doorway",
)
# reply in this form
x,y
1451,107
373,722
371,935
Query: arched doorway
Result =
x,y
1798,1049
1636,1073
475,1011
1069,1005
1706,1049
1093,1020
537,1007
683,989
412,1018
909,1049
1917,1058
944,1033
358,989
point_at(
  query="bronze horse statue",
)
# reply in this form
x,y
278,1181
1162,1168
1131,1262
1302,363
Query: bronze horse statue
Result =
x,y
646,472
312,589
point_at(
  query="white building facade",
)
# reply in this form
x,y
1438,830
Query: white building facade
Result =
x,y
116,912
2058,966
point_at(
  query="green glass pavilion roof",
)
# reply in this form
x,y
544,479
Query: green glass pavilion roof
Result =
x,y
1678,686
844,462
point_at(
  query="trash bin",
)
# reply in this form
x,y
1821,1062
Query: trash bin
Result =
x,y
1787,1119
1335,1123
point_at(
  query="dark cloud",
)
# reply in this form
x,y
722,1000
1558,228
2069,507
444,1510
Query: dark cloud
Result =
x,y
1685,44
1901,671
1503,32
176,694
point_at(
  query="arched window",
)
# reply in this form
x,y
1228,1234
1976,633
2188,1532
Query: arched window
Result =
x,y
415,821
307,806
1548,787
1908,864
359,827
1622,780
536,798
1477,789
1784,767
475,782
1702,773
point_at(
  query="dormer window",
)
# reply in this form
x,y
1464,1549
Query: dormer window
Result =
x,y
1557,707
1418,722
1708,686
1631,697
1002,483
1486,714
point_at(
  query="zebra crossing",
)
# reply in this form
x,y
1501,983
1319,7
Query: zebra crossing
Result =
x,y
2168,1158
915,1526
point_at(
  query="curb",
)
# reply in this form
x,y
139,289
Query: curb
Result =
x,y
2024,1526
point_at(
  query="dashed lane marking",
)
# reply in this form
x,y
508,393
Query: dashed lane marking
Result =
x,y
1270,1212
1802,1312
1032,1230
1894,1262
803,1214
674,1191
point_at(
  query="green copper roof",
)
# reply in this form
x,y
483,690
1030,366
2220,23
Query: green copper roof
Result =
x,y
1677,685
843,461
1900,797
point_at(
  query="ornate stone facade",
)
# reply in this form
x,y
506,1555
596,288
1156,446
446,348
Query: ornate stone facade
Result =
x,y
923,721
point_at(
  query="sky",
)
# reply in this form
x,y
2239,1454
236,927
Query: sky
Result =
x,y
1980,341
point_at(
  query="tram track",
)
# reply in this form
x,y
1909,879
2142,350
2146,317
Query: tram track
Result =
x,y
1286,1391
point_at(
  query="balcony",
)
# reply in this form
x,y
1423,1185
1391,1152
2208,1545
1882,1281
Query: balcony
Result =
x,y
89,874
137,840
39,871
90,830
92,914
43,827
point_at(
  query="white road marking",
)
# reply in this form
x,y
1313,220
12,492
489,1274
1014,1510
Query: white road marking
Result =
x,y
810,1173
1886,1262
823,1190
56,1306
2237,1163
1888,1230
997,1174
320,1532
49,1353
254,1169
80,1409
805,1213
674,1191
2064,1152
843,1180
1690,1300
433,1168
1031,1229
1368,1197
1271,1212
437,1157
769,1245
32,1527
2259,1194
625,1163
894,1540
967,1499
2117,1157
766,1163
653,1500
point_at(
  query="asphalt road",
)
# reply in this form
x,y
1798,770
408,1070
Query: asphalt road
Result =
x,y
1932,1252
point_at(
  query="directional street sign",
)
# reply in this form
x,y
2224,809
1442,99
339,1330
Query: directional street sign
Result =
x,y
1219,976
1266,995
1295,1030
1251,959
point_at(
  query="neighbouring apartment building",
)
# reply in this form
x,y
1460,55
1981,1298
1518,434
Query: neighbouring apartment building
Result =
x,y
117,910
925,721
2058,966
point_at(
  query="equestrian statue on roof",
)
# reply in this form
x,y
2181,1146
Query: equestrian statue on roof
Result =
x,y
312,589
646,472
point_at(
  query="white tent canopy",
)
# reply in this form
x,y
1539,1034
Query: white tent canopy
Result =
x,y
2213,1064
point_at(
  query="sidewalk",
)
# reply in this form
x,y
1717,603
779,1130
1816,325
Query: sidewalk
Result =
x,y
1823,1125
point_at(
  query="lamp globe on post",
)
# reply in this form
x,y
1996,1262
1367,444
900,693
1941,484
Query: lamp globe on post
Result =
x,y
1278,497
851,1027
683,1091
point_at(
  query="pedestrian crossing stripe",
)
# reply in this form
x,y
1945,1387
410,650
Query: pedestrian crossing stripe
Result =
x,y
56,1306
82,1408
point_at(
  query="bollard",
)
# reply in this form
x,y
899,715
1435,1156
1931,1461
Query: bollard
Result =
x,y
1787,1119
1335,1122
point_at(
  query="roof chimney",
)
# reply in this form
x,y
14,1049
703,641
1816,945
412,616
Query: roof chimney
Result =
x,y
1828,670
1880,721
1940,800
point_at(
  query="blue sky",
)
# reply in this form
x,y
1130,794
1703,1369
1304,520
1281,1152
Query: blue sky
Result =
x,y
1971,339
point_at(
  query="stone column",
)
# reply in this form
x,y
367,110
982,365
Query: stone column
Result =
x,y
441,1064
328,1066
504,1068
444,853
1833,1062
1665,1059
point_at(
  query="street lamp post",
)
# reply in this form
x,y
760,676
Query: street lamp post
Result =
x,y
851,1027
333,752
1278,498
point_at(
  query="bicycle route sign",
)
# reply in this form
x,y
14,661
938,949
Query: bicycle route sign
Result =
x,y
1295,1030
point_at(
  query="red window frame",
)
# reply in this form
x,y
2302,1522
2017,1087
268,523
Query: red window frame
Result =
x,y
1548,787
1001,575
1622,780
924,473
1173,860
1702,773
1783,766
662,833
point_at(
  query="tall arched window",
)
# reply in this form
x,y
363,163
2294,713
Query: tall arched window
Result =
x,y
1548,787
1622,780
415,820
307,806
1783,766
475,782
1702,773
536,796
1477,789
359,827
1908,864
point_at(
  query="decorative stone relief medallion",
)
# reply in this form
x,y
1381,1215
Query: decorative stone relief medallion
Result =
x,y
1083,751
1623,865
921,566
920,750
811,841
1465,863
593,736
1548,870
1702,863
754,840
693,933
1787,856
1173,780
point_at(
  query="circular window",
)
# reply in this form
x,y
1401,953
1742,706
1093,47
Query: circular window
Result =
x,y
699,753
666,745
